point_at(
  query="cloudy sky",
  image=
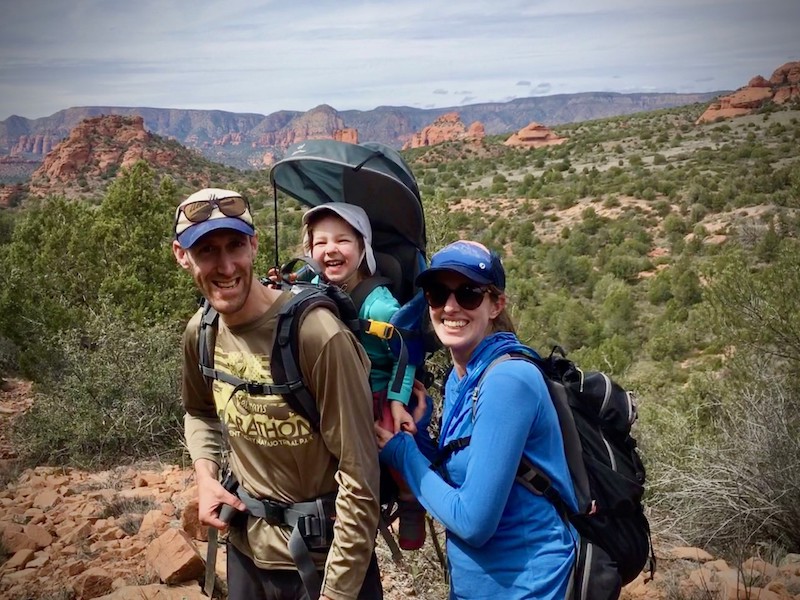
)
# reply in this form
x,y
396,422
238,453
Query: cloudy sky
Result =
x,y
264,56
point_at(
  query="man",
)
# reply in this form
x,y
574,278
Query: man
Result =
x,y
274,453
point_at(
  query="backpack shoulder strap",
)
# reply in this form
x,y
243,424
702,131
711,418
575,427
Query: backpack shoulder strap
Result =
x,y
365,287
206,339
284,361
206,342
385,331
528,474
454,446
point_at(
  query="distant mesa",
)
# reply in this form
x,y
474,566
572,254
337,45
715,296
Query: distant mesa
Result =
x,y
252,140
446,128
782,87
534,135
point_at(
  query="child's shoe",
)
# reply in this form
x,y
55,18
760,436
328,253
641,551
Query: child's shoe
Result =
x,y
411,530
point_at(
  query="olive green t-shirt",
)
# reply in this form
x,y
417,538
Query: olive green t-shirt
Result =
x,y
274,451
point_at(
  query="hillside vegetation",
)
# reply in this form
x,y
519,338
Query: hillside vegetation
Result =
x,y
661,252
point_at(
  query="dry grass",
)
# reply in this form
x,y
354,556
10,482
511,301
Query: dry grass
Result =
x,y
129,512
420,576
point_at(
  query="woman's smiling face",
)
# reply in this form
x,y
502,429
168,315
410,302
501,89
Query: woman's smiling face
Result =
x,y
458,328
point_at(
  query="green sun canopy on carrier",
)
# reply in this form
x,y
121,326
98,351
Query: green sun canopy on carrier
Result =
x,y
371,175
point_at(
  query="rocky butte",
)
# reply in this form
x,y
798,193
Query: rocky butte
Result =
x,y
98,146
782,87
534,135
446,128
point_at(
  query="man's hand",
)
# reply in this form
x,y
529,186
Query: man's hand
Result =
x,y
211,496
403,420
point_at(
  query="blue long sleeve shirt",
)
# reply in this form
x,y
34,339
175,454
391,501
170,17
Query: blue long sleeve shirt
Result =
x,y
502,540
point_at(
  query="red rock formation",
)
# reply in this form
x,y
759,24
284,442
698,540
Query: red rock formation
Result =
x,y
476,131
446,128
10,195
320,123
97,147
34,144
787,74
758,81
782,87
348,134
534,135
234,139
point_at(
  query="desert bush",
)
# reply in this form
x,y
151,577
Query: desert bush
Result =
x,y
66,259
739,485
758,310
112,397
728,444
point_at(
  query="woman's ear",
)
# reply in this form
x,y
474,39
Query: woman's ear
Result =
x,y
498,305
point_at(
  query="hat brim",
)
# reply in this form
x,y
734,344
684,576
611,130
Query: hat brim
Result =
x,y
190,236
429,274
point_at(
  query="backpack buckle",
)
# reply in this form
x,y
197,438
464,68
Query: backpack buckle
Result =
x,y
534,480
309,526
380,329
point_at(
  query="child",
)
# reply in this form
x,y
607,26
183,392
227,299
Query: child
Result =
x,y
339,237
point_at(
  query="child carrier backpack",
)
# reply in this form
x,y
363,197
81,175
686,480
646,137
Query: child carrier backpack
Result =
x,y
376,178
595,415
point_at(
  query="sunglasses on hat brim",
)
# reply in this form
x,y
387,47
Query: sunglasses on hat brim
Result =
x,y
201,210
468,296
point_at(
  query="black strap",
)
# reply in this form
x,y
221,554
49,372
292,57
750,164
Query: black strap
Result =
x,y
365,287
448,450
205,341
253,388
300,400
311,524
533,479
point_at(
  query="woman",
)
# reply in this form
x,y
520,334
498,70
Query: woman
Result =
x,y
502,540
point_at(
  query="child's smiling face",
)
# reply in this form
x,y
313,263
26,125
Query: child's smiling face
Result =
x,y
337,247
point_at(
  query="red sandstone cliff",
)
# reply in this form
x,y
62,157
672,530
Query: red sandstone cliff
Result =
x,y
98,147
782,87
446,128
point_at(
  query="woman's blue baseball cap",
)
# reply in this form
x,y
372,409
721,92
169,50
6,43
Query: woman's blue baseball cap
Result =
x,y
470,259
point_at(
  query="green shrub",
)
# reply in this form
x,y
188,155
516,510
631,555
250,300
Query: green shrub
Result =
x,y
112,397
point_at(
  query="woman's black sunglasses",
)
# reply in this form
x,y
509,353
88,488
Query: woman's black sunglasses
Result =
x,y
468,296
197,212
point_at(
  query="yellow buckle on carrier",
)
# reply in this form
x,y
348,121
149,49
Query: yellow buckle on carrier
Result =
x,y
380,329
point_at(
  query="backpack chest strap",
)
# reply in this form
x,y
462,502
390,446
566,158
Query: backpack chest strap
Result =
x,y
254,388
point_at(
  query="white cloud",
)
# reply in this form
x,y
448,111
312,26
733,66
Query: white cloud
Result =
x,y
252,56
